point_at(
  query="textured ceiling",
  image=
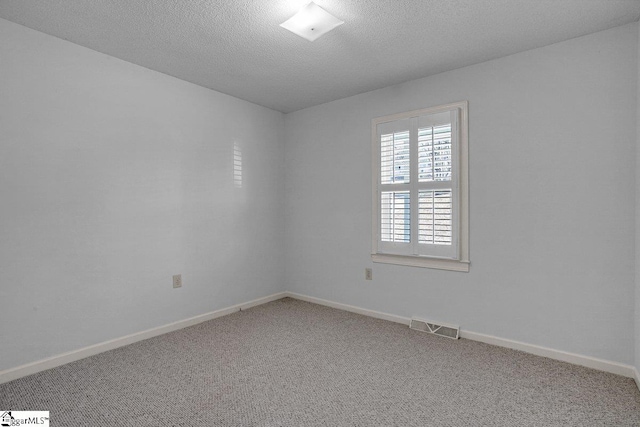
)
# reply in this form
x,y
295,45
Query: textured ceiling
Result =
x,y
237,46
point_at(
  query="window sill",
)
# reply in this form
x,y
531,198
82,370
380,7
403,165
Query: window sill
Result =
x,y
425,262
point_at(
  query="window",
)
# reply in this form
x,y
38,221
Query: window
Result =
x,y
420,188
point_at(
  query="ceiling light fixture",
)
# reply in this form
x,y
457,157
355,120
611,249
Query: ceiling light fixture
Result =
x,y
311,22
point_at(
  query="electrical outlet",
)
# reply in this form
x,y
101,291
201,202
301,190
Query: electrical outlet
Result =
x,y
177,281
368,274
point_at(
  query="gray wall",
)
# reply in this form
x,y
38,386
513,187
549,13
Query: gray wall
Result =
x,y
112,179
637,251
552,199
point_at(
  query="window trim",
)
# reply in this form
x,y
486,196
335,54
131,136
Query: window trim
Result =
x,y
461,263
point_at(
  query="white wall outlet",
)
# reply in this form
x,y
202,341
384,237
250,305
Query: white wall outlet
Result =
x,y
177,281
368,274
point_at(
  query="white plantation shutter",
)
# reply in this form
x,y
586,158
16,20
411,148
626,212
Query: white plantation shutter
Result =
x,y
417,183
434,153
435,222
395,216
394,157
395,208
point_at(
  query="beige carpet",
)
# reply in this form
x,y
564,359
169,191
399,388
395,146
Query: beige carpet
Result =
x,y
291,363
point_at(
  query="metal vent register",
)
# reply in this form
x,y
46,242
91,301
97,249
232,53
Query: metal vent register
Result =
x,y
448,331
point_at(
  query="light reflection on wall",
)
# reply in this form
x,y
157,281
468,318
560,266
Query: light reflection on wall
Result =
x,y
237,165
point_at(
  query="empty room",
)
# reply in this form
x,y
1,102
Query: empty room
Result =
x,y
326,213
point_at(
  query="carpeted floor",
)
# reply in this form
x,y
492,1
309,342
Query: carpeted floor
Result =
x,y
292,363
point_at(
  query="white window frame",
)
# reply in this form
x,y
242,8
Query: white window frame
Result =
x,y
457,257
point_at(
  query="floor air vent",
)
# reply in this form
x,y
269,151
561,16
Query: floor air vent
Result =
x,y
447,331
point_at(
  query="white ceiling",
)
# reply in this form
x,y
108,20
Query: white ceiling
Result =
x,y
237,46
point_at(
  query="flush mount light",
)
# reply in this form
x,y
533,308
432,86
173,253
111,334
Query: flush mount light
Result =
x,y
311,22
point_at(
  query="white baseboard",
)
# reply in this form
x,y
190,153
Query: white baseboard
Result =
x,y
71,356
576,359
564,356
62,359
351,308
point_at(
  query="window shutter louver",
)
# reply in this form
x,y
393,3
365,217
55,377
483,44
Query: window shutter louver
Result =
x,y
395,158
435,217
395,221
434,153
